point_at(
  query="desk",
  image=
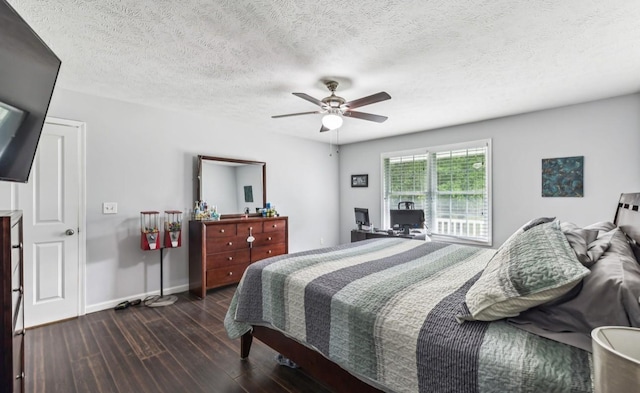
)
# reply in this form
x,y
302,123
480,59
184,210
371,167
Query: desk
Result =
x,y
358,235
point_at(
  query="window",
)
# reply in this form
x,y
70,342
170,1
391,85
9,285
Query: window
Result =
x,y
452,184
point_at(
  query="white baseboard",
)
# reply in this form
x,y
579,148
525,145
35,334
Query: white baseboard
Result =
x,y
112,303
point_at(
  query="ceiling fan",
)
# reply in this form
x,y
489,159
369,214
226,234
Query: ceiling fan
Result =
x,y
335,107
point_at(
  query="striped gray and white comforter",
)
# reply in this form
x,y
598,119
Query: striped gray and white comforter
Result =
x,y
384,309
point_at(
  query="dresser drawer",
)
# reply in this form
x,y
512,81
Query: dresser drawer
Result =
x,y
18,317
15,255
268,238
219,251
226,244
225,275
258,253
228,258
243,229
16,288
220,230
15,233
275,225
18,356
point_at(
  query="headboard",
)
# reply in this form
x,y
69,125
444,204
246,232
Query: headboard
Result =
x,y
628,217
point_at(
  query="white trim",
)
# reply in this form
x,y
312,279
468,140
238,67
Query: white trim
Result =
x,y
436,149
460,146
490,192
82,205
112,303
14,196
411,152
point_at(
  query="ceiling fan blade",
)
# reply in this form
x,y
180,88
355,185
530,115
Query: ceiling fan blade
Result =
x,y
295,114
309,98
324,129
372,99
366,116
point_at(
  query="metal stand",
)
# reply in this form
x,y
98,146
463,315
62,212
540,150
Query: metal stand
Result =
x,y
162,300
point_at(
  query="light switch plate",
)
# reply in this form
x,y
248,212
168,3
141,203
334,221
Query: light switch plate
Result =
x,y
109,207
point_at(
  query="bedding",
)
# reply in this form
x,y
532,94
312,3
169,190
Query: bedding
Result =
x,y
590,242
384,309
529,269
609,295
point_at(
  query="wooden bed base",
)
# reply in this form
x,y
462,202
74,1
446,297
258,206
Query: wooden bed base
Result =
x,y
627,217
312,362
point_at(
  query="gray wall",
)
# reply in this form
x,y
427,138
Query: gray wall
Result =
x,y
127,142
606,133
143,158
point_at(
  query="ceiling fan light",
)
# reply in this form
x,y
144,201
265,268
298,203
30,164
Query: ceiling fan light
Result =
x,y
332,121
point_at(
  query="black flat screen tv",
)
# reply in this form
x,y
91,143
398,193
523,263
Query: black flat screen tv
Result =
x,y
28,73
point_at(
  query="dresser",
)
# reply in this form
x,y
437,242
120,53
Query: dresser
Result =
x,y
219,251
12,326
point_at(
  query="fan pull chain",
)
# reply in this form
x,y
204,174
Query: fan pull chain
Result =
x,y
330,144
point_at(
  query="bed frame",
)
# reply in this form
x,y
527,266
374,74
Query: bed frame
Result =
x,y
312,362
627,217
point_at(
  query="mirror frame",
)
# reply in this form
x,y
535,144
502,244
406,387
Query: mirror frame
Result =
x,y
237,161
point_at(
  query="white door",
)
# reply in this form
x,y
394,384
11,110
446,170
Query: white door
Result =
x,y
51,206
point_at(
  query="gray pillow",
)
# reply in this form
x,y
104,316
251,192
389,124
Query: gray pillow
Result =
x,y
604,226
531,268
608,296
597,248
536,222
585,242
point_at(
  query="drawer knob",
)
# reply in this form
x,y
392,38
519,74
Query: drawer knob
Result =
x,y
20,376
274,226
269,238
231,258
269,252
222,231
230,244
231,273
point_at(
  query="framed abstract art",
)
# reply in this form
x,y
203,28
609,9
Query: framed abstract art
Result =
x,y
563,177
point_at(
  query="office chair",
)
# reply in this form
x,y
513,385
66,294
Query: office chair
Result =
x,y
406,205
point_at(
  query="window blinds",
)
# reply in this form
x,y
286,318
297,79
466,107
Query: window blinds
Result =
x,y
450,183
459,198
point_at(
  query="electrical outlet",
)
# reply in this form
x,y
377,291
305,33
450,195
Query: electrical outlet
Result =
x,y
109,207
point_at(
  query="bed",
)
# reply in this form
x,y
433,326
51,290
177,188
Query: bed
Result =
x,y
396,315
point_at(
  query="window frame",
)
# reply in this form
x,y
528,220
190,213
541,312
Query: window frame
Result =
x,y
384,213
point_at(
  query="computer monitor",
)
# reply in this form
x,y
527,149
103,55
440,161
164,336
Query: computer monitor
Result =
x,y
407,219
362,217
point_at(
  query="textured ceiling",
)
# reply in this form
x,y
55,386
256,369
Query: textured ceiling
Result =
x,y
444,62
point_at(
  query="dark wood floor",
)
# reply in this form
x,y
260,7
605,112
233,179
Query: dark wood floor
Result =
x,y
177,348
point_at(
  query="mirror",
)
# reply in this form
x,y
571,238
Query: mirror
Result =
x,y
232,185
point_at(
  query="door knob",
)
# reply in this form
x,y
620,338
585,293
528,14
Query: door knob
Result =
x,y
69,232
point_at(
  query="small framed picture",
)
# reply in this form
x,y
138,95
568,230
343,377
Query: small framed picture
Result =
x,y
359,180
